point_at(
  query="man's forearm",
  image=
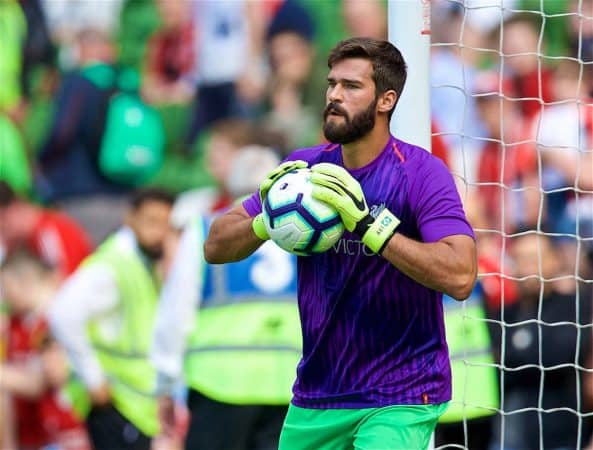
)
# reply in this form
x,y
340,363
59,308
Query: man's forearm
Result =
x,y
71,334
27,382
7,425
447,266
90,293
231,238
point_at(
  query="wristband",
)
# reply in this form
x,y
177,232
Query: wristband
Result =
x,y
380,231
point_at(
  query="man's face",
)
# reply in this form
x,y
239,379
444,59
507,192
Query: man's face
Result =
x,y
530,253
497,115
520,47
150,223
220,154
351,103
291,57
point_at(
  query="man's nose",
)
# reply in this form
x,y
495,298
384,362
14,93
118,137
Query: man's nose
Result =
x,y
334,94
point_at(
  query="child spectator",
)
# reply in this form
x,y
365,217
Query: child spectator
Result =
x,y
51,235
506,161
41,416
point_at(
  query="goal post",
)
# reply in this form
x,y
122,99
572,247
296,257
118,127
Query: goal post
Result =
x,y
409,30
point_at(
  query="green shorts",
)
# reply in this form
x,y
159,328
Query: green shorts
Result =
x,y
400,427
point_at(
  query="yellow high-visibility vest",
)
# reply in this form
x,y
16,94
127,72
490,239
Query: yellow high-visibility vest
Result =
x,y
124,357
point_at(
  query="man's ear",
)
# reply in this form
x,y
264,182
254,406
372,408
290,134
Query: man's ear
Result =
x,y
387,101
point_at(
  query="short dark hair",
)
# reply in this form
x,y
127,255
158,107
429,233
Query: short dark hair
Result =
x,y
389,67
7,195
239,132
150,194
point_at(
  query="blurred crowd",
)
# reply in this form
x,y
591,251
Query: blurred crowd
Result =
x,y
229,87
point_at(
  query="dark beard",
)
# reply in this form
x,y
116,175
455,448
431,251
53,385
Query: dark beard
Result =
x,y
152,253
352,129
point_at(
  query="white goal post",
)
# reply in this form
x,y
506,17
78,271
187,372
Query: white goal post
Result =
x,y
412,37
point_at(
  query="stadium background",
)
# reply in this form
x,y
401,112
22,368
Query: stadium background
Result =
x,y
512,118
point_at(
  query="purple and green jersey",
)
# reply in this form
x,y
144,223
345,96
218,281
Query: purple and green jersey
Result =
x,y
372,336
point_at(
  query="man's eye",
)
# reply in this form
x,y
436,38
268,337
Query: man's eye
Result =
x,y
351,86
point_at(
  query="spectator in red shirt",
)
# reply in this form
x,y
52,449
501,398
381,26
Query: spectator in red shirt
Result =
x,y
64,401
41,417
492,261
531,80
49,234
507,162
171,56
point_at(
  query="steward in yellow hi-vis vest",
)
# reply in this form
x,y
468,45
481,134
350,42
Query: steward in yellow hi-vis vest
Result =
x,y
243,345
124,355
475,398
104,316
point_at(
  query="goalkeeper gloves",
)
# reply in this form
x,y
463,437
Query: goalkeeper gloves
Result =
x,y
257,224
282,169
336,187
259,228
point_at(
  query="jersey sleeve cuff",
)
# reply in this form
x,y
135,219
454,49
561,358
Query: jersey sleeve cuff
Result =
x,y
448,227
252,205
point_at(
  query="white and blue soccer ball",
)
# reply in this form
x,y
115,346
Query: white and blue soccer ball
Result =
x,y
296,221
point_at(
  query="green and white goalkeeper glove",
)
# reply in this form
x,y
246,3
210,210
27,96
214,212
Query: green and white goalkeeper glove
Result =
x,y
336,187
258,221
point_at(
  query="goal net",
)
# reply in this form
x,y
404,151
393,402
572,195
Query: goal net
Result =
x,y
512,116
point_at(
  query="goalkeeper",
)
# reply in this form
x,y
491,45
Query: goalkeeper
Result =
x,y
375,370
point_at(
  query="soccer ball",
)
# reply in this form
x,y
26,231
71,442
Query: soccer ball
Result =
x,y
296,221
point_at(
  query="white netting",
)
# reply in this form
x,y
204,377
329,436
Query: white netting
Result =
x,y
512,83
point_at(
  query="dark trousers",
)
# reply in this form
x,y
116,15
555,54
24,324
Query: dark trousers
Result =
x,y
213,103
221,426
109,430
216,102
479,434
